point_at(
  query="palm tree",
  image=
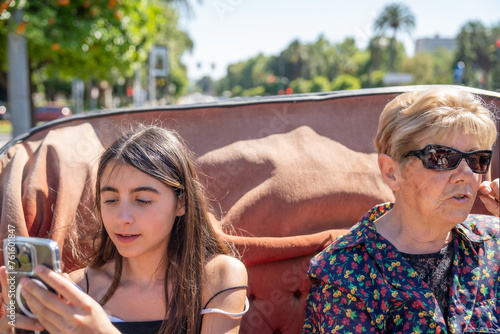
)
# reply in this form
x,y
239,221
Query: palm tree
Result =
x,y
394,16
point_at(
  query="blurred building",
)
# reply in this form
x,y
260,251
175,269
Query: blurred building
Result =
x,y
431,44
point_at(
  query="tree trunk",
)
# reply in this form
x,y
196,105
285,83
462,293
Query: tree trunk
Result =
x,y
392,52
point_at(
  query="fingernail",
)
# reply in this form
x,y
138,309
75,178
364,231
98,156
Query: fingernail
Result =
x,y
40,269
24,281
39,326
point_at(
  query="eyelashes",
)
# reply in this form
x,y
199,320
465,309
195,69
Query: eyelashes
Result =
x,y
140,201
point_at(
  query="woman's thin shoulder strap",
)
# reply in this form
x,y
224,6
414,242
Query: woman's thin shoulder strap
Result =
x,y
224,290
87,278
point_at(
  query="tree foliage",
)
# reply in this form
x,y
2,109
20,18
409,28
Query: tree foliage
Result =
x,y
93,39
396,17
477,49
304,67
322,65
309,67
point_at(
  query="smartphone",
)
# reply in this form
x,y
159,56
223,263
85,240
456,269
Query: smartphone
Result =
x,y
21,256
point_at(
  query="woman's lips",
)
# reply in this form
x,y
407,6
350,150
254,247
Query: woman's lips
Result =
x,y
127,238
461,197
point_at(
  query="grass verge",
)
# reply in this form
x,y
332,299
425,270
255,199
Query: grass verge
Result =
x,y
5,127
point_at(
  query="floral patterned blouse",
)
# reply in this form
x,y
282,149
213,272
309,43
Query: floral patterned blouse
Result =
x,y
362,284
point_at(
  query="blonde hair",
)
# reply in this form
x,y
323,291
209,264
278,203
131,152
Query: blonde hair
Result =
x,y
442,112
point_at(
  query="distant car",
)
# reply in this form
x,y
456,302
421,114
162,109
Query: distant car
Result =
x,y
51,112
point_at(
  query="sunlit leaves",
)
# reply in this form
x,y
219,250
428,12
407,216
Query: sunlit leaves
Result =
x,y
477,49
99,39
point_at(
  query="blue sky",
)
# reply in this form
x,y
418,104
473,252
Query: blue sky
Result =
x,y
228,31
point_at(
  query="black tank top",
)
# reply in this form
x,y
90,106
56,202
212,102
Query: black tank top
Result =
x,y
150,327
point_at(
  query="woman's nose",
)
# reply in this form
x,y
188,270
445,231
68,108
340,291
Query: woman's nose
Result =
x,y
124,213
464,169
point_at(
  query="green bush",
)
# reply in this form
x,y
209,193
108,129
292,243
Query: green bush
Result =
x,y
344,82
301,85
256,91
320,84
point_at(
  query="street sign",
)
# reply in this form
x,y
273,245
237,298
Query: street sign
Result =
x,y
158,68
158,61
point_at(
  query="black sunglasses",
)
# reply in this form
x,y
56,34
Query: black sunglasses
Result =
x,y
438,157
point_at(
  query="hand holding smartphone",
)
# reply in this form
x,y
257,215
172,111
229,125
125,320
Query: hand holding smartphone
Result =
x,y
21,256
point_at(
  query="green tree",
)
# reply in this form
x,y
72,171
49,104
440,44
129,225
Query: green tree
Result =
x,y
247,74
320,60
345,82
396,17
495,71
98,39
256,91
345,62
290,63
320,84
378,53
301,85
306,61
421,67
206,85
430,68
443,62
476,48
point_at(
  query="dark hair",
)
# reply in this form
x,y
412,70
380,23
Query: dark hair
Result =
x,y
161,154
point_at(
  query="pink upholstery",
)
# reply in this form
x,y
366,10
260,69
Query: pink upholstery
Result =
x,y
286,176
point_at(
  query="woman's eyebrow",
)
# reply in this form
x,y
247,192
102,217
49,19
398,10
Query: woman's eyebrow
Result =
x,y
108,188
139,189
135,190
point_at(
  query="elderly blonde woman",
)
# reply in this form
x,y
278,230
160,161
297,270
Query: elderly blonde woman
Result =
x,y
422,264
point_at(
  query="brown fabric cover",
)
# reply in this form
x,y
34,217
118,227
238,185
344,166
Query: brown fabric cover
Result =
x,y
285,178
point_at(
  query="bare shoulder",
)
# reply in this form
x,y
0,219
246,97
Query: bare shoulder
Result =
x,y
78,277
94,279
224,272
